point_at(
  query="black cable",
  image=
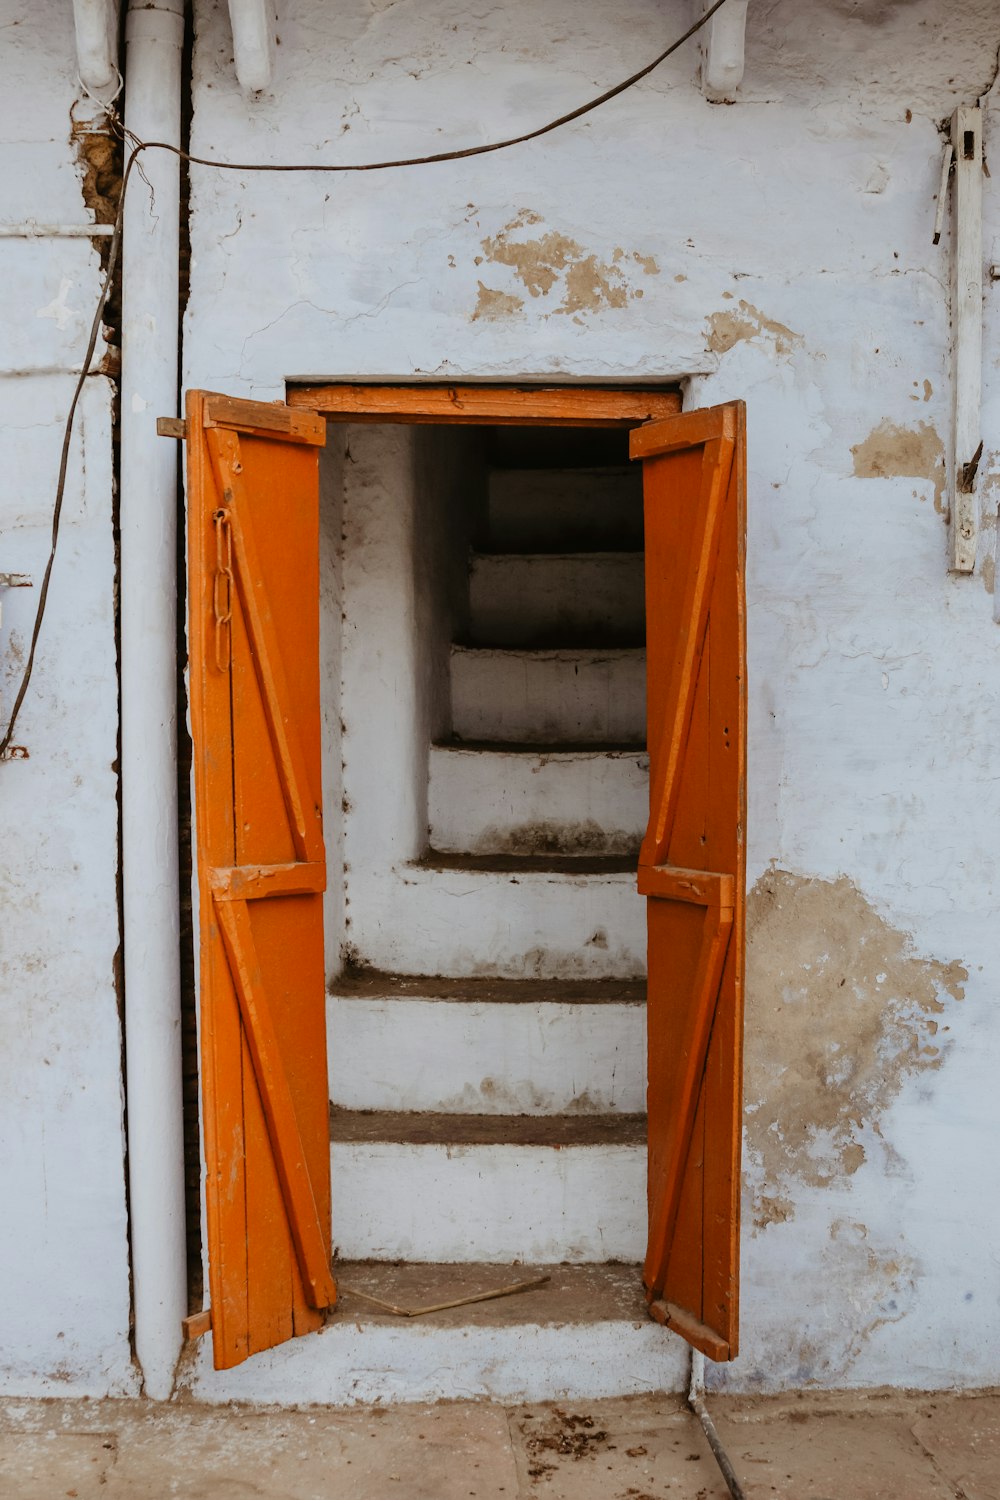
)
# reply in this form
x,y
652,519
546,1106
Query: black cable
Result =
x,y
43,593
230,166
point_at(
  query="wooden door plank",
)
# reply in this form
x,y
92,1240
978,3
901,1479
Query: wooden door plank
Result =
x,y
258,882
221,1053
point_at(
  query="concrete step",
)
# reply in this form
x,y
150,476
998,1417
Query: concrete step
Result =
x,y
516,800
548,697
487,1047
509,917
557,599
445,1187
584,1334
565,510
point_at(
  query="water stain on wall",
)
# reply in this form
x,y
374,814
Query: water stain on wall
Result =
x,y
840,1012
552,265
894,452
745,323
865,1286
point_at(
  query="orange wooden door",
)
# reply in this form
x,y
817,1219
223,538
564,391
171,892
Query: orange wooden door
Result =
x,y
253,524
691,868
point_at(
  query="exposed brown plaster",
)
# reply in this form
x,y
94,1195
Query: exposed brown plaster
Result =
x,y
840,1012
554,263
893,452
744,324
989,575
492,305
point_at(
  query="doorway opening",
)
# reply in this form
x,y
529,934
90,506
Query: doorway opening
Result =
x,y
482,631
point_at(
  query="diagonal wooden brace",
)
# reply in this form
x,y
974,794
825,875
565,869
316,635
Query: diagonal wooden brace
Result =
x,y
713,892
276,1099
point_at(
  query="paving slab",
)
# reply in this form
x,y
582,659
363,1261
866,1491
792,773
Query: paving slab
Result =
x,y
444,1452
812,1446
961,1435
645,1449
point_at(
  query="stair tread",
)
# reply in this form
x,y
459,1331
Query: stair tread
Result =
x,y
532,864
597,653
568,554
572,1294
371,984
408,1127
549,752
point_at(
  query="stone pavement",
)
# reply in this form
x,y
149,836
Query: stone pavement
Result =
x,y
813,1447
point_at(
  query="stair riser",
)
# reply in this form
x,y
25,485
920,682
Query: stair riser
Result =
x,y
494,1203
415,1361
572,511
491,802
549,697
528,600
514,926
491,1059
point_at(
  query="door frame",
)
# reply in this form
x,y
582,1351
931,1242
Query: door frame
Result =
x,y
487,405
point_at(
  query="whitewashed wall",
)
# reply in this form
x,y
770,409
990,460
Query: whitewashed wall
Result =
x,y
64,1288
780,251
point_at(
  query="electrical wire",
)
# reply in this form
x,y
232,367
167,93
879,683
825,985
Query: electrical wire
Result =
x,y
138,147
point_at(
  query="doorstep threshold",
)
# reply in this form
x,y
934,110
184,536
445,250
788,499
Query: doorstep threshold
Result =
x,y
601,1293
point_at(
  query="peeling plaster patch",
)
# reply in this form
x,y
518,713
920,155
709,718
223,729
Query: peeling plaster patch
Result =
x,y
893,452
59,308
989,575
746,323
493,305
840,1012
551,262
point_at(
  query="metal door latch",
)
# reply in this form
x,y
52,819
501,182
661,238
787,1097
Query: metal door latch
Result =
x,y
13,581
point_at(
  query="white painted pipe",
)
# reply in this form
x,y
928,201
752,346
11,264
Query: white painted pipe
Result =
x,y
724,52
252,22
154,37
96,26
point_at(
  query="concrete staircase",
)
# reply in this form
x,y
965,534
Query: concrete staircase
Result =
x,y
488,1066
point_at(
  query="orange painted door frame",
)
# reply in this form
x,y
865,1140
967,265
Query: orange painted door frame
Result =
x,y
253,631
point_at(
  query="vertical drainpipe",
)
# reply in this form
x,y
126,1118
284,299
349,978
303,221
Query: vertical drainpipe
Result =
x,y
154,35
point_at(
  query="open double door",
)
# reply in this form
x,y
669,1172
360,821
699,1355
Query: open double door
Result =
x,y
253,499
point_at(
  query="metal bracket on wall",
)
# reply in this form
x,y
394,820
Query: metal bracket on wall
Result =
x,y
967,334
13,581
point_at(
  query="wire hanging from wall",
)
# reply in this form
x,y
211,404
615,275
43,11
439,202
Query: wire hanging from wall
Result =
x,y
138,147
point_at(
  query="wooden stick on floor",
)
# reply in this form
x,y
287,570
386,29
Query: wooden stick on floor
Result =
x,y
418,1312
